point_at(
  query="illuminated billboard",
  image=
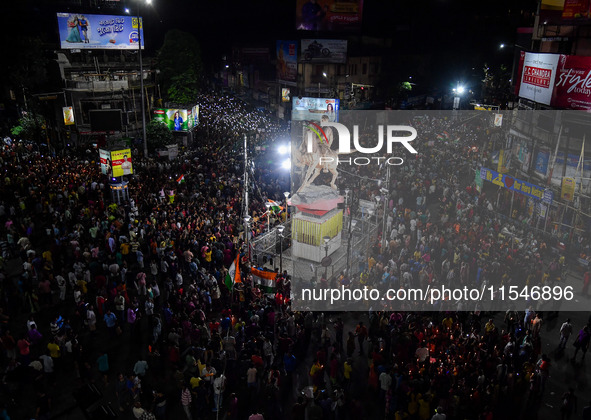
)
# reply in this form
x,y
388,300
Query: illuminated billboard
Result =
x,y
537,77
175,119
329,15
313,109
86,31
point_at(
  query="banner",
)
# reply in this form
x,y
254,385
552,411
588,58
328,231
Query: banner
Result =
x,y
85,31
68,115
537,78
265,279
324,51
498,120
287,62
285,95
517,185
121,162
329,15
567,191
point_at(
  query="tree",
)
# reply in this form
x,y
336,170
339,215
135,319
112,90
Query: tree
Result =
x,y
158,135
181,69
30,127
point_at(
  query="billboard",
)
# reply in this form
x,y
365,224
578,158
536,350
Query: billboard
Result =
x,y
573,83
313,109
68,112
175,119
105,159
324,51
121,162
517,185
192,117
537,78
575,9
105,119
285,95
287,62
329,15
85,31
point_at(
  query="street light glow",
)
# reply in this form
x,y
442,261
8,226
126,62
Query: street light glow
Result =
x,y
461,89
324,74
283,149
286,164
127,10
502,46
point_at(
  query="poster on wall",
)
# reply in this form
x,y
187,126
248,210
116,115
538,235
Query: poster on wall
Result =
x,y
88,31
542,159
324,51
567,192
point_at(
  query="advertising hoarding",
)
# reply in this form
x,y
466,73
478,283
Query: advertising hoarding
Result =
x,y
68,112
329,15
86,31
517,185
537,78
285,95
567,192
575,9
324,51
572,88
175,119
287,62
105,119
121,162
105,159
313,109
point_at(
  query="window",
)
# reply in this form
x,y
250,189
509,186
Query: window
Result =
x,y
364,68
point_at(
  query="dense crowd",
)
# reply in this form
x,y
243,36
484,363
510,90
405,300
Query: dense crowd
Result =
x,y
133,297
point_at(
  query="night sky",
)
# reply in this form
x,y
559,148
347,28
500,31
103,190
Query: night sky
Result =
x,y
438,39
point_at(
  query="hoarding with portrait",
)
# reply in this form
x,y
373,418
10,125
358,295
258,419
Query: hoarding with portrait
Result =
x,y
86,31
175,119
313,109
121,162
105,159
329,15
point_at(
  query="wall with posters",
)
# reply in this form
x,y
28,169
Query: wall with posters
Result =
x,y
287,62
86,31
324,51
312,109
329,15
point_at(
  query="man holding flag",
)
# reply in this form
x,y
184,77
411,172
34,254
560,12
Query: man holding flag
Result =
x,y
233,274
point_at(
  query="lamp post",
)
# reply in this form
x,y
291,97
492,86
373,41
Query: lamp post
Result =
x,y
286,195
247,234
352,224
280,230
326,241
268,205
139,45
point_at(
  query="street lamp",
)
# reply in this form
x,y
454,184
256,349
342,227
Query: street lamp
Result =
x,y
280,230
268,205
247,234
286,195
326,241
352,224
139,45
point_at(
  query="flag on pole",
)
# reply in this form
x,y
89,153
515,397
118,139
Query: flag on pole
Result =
x,y
265,279
275,208
233,275
181,179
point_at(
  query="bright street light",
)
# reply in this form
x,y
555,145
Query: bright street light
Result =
x,y
324,74
286,164
502,46
127,10
283,149
460,89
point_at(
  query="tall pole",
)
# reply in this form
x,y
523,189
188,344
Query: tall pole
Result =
x,y
246,216
139,46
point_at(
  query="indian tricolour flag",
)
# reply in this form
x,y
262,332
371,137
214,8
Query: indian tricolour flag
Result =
x,y
275,208
181,179
233,275
265,279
